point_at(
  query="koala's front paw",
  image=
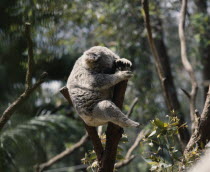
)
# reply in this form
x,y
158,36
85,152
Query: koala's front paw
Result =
x,y
123,63
124,75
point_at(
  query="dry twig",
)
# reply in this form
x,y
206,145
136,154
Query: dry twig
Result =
x,y
129,157
60,156
135,101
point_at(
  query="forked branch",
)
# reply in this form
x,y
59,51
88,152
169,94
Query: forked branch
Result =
x,y
60,156
129,157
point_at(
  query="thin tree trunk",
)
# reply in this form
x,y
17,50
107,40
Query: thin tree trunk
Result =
x,y
186,63
173,103
164,73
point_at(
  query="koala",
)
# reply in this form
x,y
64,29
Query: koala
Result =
x,y
91,84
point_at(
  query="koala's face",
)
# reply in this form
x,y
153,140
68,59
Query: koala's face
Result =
x,y
100,59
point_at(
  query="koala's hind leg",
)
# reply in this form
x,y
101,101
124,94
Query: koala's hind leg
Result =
x,y
107,110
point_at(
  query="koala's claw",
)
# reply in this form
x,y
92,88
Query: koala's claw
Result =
x,y
123,63
125,74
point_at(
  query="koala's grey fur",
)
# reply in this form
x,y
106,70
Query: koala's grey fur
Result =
x,y
90,86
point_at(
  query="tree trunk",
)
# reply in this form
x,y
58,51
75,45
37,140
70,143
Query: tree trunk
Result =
x,y
164,73
170,93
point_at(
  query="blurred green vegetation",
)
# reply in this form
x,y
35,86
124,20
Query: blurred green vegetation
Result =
x,y
61,31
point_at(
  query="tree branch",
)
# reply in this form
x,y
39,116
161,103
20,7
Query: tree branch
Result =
x,y
59,157
98,148
64,91
129,157
135,101
140,136
186,93
186,63
29,88
124,162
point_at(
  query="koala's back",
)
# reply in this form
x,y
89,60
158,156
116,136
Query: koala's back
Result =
x,y
83,96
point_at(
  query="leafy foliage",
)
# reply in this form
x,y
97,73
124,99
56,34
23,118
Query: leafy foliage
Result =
x,y
164,154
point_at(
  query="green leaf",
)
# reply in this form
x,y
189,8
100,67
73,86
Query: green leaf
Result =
x,y
92,157
153,163
165,125
124,139
119,157
119,149
175,124
159,123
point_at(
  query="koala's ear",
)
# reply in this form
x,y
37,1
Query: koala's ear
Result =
x,y
91,57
